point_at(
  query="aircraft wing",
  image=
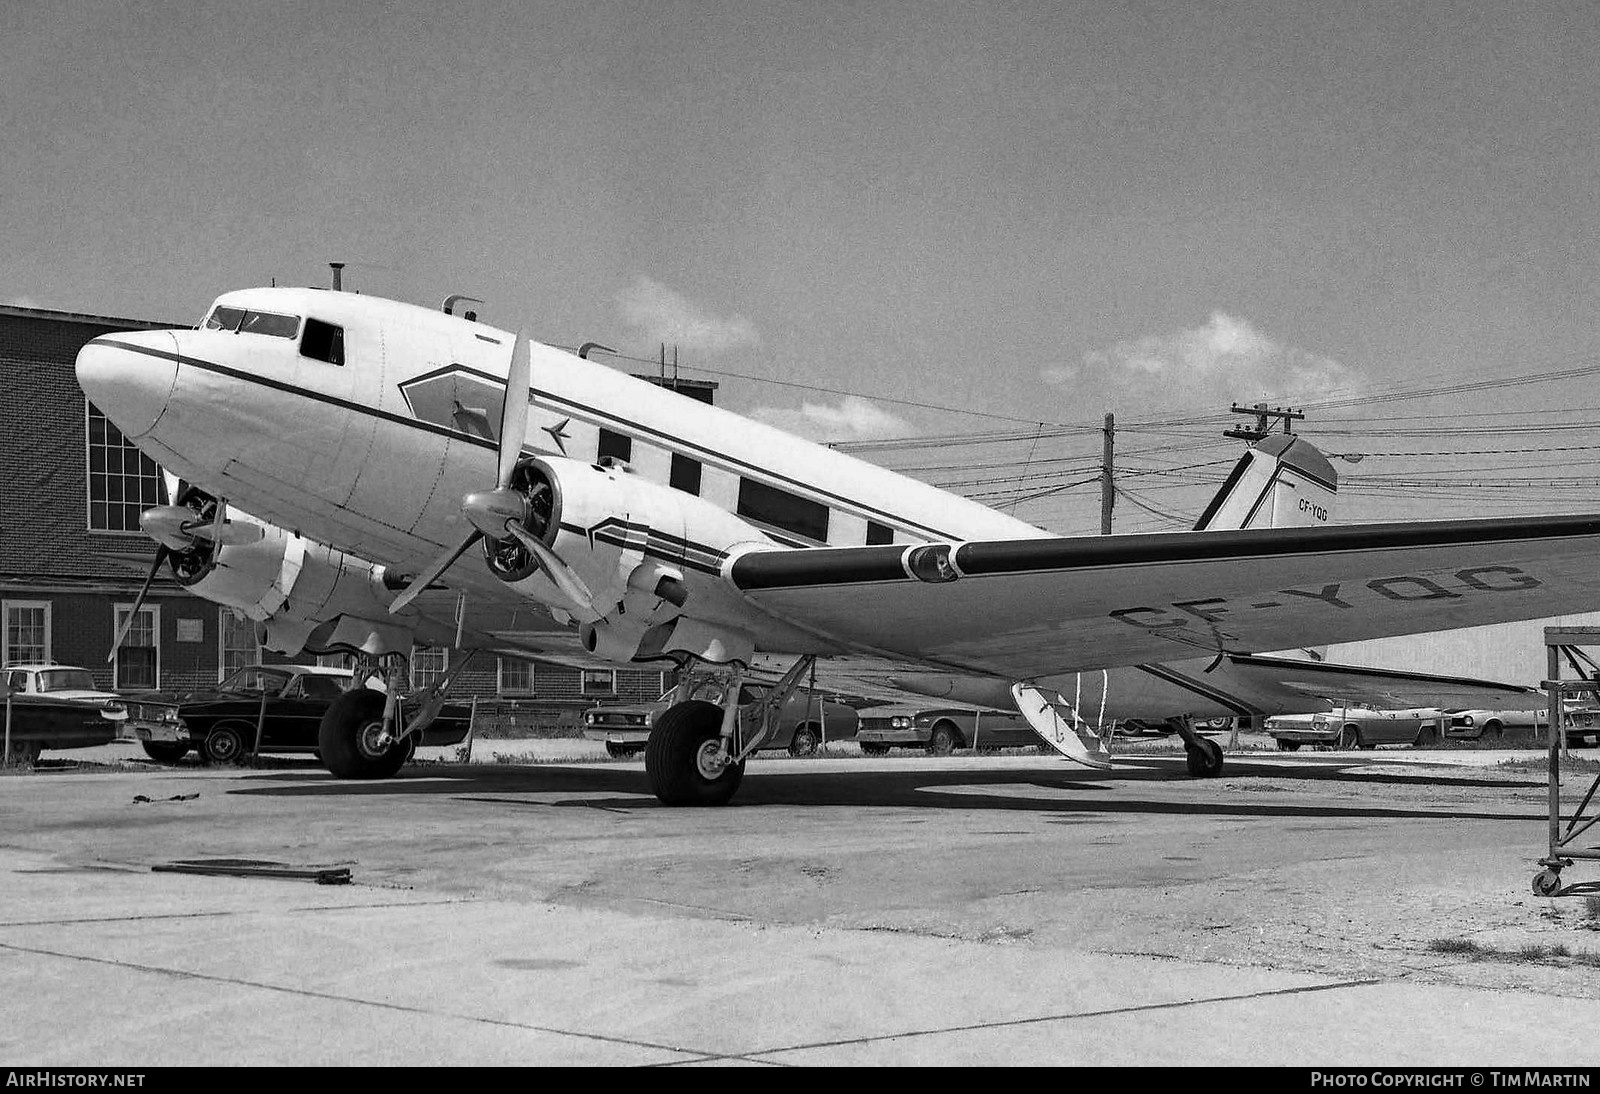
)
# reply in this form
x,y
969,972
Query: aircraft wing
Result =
x,y
1022,609
1327,684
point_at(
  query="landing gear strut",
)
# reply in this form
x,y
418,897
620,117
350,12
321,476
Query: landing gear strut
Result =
x,y
1204,755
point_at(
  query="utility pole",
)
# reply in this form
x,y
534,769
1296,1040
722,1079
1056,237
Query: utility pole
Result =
x,y
1263,415
1108,492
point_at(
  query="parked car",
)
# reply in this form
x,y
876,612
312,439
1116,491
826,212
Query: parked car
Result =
x,y
56,706
289,702
806,719
941,730
1356,727
1493,725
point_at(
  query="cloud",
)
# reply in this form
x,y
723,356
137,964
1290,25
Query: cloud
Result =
x,y
1207,367
854,418
666,316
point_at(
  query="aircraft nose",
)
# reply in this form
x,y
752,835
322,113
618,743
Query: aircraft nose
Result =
x,y
129,377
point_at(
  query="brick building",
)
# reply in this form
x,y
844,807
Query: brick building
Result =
x,y
72,558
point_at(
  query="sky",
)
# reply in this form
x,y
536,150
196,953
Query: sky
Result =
x,y
982,227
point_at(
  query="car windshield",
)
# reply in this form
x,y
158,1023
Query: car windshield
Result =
x,y
252,322
255,679
322,687
66,680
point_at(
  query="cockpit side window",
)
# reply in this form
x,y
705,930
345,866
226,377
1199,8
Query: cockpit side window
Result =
x,y
323,342
253,322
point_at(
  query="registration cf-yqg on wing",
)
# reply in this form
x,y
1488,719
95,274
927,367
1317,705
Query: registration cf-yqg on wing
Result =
x,y
660,528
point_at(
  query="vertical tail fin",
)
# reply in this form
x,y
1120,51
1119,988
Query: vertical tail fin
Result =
x,y
1282,481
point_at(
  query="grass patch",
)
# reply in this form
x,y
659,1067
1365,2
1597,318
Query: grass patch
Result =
x,y
1531,953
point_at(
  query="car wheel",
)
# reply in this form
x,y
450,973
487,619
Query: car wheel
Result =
x,y
225,744
804,741
943,740
1350,737
873,748
1427,738
1216,725
1493,731
166,752
622,751
1288,746
24,753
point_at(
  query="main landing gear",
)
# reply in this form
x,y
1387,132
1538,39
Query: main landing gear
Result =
x,y
697,749
366,735
1204,755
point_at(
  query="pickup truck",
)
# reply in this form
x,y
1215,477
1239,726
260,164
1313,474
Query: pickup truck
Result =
x,y
805,722
941,730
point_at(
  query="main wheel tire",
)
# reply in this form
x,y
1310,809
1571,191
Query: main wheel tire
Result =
x,y
349,735
1350,737
873,748
621,751
1216,725
1204,759
227,743
166,752
1288,746
680,759
805,741
943,739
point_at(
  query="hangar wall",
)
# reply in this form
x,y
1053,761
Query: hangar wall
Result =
x,y
1511,653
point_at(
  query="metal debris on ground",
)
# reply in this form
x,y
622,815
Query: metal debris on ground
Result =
x,y
334,875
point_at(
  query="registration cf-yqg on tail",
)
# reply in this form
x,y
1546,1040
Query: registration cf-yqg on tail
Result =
x,y
662,529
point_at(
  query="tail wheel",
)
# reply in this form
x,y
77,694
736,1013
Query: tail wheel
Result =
x,y
351,738
683,759
1204,758
805,741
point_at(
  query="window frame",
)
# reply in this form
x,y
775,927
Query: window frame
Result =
x,y
500,686
6,606
621,442
122,476
587,691
756,504
225,618
121,606
679,474
411,665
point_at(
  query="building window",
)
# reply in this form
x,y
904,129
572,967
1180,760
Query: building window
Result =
x,y
323,342
428,665
685,474
599,681
237,646
27,632
516,676
781,509
878,533
123,482
614,446
138,662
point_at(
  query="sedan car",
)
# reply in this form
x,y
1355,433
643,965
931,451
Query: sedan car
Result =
x,y
56,706
1356,727
804,723
942,730
286,702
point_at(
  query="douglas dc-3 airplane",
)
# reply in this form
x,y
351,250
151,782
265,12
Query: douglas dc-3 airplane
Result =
x,y
658,528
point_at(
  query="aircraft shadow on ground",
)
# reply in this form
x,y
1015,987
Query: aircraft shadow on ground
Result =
x,y
1065,791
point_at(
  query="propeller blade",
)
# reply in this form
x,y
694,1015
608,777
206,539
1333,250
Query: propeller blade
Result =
x,y
432,573
565,578
218,520
138,602
514,412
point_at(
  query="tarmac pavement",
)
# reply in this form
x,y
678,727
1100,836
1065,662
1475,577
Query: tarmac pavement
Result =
x,y
998,910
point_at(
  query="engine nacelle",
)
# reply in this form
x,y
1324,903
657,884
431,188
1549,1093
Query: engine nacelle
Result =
x,y
638,548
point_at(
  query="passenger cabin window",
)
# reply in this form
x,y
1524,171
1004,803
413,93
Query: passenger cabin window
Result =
x,y
685,474
323,342
878,533
244,321
782,509
616,446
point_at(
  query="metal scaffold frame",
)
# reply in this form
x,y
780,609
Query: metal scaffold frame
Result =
x,y
1563,644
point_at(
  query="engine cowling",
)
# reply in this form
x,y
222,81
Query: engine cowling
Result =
x,y
639,551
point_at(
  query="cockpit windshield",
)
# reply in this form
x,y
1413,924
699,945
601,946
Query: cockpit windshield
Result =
x,y
245,321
